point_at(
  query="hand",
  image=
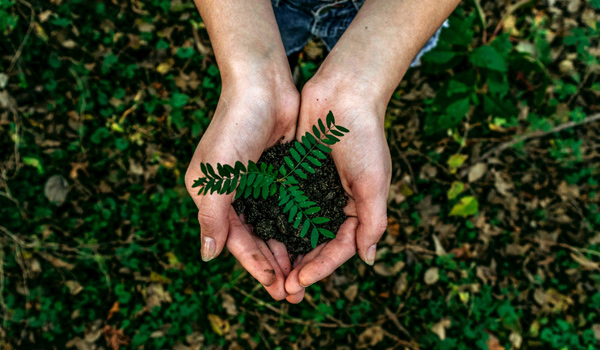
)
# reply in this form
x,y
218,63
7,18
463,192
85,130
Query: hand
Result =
x,y
250,117
363,161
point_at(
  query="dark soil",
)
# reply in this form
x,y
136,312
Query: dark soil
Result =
x,y
267,218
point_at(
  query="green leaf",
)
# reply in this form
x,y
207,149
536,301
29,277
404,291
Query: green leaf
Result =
x,y
324,148
314,160
300,173
322,126
233,184
488,57
306,204
330,119
342,129
289,162
320,220
308,168
305,141
316,132
250,180
337,133
318,153
293,212
203,168
211,171
273,189
282,170
299,148
456,189
455,161
305,227
265,192
248,191
298,220
283,199
238,194
243,180
295,155
312,210
221,170
314,237
225,187
466,207
252,166
256,192
259,180
311,138
230,169
326,233
288,206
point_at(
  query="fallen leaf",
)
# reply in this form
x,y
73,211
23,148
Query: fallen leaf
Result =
x,y
74,287
351,292
432,275
401,284
56,189
456,161
115,337
218,325
371,336
493,343
456,188
440,327
466,207
516,340
477,171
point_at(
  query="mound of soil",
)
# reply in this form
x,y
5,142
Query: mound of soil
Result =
x,y
267,217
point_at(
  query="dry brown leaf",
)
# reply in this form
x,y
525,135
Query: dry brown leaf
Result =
x,y
432,275
477,171
115,337
493,343
351,292
440,327
370,337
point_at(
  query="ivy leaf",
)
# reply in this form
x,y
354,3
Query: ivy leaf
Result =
x,y
466,207
488,57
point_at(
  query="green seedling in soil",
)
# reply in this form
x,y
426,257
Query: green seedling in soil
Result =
x,y
264,180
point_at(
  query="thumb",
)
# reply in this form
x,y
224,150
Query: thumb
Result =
x,y
371,209
213,215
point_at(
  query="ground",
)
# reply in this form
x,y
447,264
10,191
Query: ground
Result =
x,y
494,216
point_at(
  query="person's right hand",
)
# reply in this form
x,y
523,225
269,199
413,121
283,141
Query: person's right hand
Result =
x,y
251,116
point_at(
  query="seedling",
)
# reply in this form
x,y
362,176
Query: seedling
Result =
x,y
264,180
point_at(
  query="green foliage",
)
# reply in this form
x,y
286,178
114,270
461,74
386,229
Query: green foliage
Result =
x,y
264,180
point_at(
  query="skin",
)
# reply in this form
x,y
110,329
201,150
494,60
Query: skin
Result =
x,y
258,106
355,81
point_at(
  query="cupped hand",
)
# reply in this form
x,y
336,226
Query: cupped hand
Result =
x,y
248,119
363,161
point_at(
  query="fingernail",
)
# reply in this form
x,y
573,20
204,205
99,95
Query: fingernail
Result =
x,y
370,257
208,248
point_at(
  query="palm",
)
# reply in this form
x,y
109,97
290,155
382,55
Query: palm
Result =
x,y
244,125
364,165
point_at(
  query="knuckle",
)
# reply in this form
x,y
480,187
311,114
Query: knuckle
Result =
x,y
381,225
207,217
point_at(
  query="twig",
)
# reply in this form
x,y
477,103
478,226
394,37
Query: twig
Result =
x,y
2,303
20,49
583,81
509,12
506,145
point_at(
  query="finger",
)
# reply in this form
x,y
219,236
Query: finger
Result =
x,y
277,289
350,208
296,298
292,284
241,244
334,254
213,215
281,256
371,207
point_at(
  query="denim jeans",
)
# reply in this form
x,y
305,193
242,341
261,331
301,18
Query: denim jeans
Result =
x,y
299,20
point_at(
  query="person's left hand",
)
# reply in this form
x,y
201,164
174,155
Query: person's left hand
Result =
x,y
363,161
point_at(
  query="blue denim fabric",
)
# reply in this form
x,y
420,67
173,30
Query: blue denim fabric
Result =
x,y
299,20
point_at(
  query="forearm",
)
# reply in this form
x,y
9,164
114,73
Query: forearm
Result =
x,y
245,39
378,47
